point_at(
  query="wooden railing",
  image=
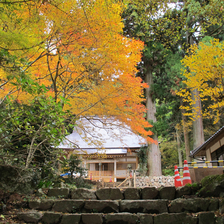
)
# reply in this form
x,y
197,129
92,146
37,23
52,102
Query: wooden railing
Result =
x,y
107,176
128,179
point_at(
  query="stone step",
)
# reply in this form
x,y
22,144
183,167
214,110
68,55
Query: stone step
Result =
x,y
119,218
169,193
150,206
131,205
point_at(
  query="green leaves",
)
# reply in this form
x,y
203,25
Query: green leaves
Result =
x,y
30,131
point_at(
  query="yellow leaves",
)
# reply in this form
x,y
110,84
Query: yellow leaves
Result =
x,y
2,74
82,58
18,32
204,72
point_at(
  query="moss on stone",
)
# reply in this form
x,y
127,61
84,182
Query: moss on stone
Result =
x,y
212,185
211,179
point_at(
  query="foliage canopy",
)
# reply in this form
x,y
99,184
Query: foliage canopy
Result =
x,y
204,71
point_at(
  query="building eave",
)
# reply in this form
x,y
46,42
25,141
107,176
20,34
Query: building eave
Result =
x,y
206,143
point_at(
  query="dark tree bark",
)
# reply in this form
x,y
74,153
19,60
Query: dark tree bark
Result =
x,y
186,133
154,155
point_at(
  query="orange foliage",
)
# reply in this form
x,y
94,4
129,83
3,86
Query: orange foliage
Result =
x,y
86,60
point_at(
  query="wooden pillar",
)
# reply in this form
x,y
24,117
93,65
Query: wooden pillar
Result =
x,y
115,170
136,162
134,179
208,156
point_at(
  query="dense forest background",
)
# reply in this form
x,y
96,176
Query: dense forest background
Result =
x,y
183,65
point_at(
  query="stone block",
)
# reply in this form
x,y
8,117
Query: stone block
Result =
x,y
145,218
149,193
30,216
146,206
69,205
109,194
124,218
51,218
41,193
212,185
181,191
104,206
206,217
92,218
189,205
167,193
221,205
214,204
82,193
58,192
71,219
132,194
41,204
174,218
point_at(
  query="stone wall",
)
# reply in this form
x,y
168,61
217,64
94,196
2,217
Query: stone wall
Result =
x,y
166,205
201,203
161,181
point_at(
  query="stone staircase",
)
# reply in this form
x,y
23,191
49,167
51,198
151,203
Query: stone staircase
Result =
x,y
148,205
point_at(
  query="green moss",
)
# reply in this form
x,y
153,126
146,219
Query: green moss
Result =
x,y
195,185
211,186
211,179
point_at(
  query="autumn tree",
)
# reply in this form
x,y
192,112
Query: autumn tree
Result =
x,y
80,56
204,71
202,18
67,58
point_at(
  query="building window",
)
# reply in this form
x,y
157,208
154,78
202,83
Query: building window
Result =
x,y
104,167
218,155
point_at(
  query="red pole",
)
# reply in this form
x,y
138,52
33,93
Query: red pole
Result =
x,y
90,176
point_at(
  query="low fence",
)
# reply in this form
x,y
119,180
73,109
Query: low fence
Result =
x,y
203,162
200,169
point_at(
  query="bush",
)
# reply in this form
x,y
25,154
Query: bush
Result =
x,y
168,172
29,135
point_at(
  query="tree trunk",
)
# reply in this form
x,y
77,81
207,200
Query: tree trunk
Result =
x,y
179,149
186,135
154,155
198,131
